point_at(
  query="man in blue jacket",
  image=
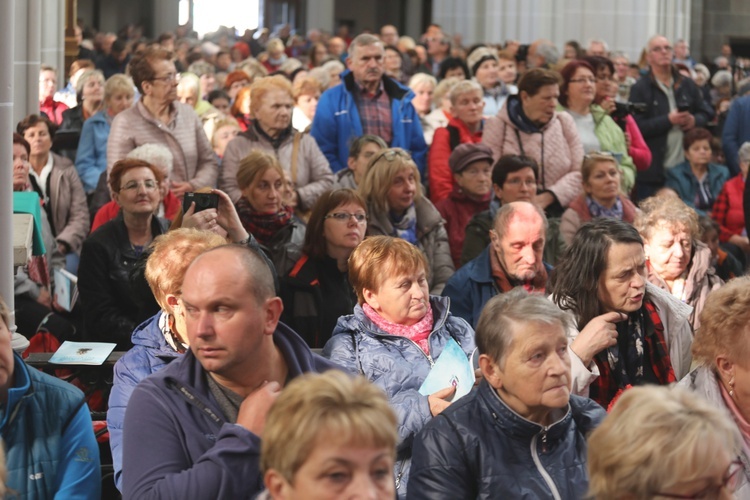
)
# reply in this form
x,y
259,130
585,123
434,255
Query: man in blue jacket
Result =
x,y
512,259
736,131
46,427
193,429
367,102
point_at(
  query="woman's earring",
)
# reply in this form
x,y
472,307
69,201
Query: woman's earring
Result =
x,y
731,388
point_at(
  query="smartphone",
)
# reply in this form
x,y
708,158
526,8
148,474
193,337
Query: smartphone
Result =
x,y
203,201
683,107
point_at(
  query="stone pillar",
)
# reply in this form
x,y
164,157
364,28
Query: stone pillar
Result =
x,y
320,14
166,16
8,62
26,47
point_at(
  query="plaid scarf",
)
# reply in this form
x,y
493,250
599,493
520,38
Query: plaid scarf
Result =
x,y
643,334
263,226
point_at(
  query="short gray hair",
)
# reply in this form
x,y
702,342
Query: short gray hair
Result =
x,y
156,154
721,78
201,68
549,52
329,65
600,42
464,87
86,76
744,152
505,313
364,40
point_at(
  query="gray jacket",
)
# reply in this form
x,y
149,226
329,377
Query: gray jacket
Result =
x,y
432,236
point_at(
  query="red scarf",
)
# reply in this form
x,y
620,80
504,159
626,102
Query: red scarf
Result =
x,y
263,226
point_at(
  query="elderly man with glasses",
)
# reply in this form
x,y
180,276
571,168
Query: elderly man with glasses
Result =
x,y
674,105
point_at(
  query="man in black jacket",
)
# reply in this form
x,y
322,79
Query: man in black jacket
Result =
x,y
674,105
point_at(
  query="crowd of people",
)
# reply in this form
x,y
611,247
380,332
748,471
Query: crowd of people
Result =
x,y
558,231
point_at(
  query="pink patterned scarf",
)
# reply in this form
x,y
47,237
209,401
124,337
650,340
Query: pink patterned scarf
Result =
x,y
417,333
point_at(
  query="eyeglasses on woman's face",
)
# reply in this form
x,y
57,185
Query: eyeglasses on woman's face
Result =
x,y
346,217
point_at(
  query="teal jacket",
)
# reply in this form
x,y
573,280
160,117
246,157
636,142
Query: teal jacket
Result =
x,y
49,440
681,179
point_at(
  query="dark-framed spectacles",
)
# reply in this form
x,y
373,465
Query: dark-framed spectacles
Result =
x,y
730,482
171,77
345,217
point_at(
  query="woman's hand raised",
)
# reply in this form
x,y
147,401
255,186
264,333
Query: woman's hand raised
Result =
x,y
599,334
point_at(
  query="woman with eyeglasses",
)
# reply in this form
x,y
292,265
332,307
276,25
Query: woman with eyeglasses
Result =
x,y
677,446
110,309
602,196
597,130
158,117
263,212
720,350
317,291
396,206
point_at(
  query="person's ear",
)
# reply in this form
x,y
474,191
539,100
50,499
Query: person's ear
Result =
x,y
172,300
725,369
278,487
491,371
351,163
495,241
371,298
273,309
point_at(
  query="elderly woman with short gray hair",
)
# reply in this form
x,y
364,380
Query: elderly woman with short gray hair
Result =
x,y
522,433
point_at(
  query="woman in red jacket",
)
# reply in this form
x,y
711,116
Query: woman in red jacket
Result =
x,y
727,209
465,127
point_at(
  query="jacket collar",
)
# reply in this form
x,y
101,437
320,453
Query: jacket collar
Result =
x,y
394,89
481,270
20,389
516,425
148,334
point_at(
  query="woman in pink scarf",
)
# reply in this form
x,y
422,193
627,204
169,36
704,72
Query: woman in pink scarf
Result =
x,y
396,334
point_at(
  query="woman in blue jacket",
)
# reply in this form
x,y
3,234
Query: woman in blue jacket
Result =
x,y
91,158
396,334
697,181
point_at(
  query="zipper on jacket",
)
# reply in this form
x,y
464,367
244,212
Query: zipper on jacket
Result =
x,y
535,456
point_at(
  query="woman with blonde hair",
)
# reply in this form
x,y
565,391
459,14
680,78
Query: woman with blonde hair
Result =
x,y
602,196
397,332
306,93
442,114
391,187
678,262
332,418
91,157
659,442
263,212
271,131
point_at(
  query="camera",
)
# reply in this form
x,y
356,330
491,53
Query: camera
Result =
x,y
203,201
623,109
